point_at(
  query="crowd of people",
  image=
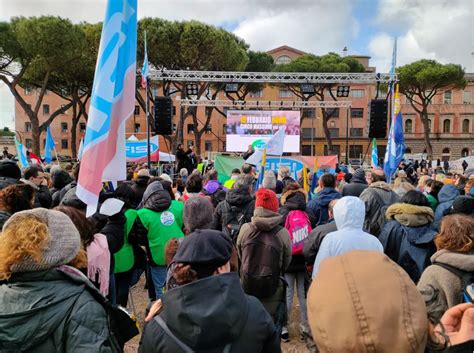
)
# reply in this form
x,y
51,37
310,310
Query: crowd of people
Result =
x,y
375,266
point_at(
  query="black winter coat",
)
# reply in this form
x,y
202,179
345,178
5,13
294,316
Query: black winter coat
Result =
x,y
139,188
313,243
208,314
356,186
6,181
235,204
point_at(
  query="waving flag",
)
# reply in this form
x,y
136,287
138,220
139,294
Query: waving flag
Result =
x,y
49,148
305,179
273,147
396,141
314,179
375,155
81,149
112,103
144,71
21,154
263,163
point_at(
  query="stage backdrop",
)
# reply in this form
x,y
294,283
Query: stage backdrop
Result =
x,y
254,127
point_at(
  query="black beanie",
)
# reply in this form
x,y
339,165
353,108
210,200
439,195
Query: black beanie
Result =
x,y
9,169
463,205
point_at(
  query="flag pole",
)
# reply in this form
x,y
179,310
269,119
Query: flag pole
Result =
x,y
148,152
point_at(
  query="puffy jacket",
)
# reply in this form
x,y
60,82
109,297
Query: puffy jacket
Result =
x,y
319,205
59,179
295,200
408,239
357,184
53,311
139,188
313,243
374,219
446,197
208,314
236,203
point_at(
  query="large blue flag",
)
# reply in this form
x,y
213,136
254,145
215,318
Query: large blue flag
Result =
x,y
49,147
144,71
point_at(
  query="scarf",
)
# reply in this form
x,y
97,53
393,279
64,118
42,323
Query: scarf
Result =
x,y
410,215
98,262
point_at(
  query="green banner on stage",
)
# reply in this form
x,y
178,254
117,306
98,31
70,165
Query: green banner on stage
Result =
x,y
225,164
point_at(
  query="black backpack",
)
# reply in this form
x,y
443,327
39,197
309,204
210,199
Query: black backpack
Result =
x,y
260,263
466,277
238,218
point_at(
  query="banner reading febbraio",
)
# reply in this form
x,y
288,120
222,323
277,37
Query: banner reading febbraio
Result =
x,y
255,127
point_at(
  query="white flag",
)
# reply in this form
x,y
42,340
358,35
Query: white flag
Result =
x,y
256,158
275,144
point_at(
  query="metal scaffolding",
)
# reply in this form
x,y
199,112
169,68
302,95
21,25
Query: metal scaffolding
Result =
x,y
270,77
264,104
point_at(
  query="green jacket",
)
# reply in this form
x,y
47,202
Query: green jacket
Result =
x,y
124,258
52,311
432,201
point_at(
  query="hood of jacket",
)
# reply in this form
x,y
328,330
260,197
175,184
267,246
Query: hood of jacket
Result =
x,y
206,321
60,179
265,220
349,212
70,199
6,181
448,193
156,198
410,215
326,195
212,186
463,261
34,304
358,177
142,180
238,197
295,199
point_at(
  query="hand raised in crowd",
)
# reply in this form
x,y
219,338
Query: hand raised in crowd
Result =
x,y
458,324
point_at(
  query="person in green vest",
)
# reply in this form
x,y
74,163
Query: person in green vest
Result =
x,y
233,177
159,219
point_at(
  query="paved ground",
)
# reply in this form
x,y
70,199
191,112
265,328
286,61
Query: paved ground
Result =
x,y
140,298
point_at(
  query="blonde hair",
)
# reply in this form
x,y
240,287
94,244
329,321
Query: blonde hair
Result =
x,y
25,236
423,179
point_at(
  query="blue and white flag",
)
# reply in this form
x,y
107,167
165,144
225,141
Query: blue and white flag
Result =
x,y
274,147
375,155
81,149
144,71
49,147
21,154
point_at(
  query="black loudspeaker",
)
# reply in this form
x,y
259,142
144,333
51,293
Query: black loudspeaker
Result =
x,y
378,118
163,116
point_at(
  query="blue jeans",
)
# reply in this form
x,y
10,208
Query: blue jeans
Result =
x,y
158,276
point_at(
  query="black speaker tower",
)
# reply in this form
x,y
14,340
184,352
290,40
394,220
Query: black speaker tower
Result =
x,y
378,118
163,115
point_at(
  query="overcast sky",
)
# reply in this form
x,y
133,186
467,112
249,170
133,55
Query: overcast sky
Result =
x,y
437,29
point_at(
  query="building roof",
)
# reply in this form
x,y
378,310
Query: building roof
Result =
x,y
286,47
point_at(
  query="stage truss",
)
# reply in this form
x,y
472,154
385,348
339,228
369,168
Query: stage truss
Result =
x,y
263,104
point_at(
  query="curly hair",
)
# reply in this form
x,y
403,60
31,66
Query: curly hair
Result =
x,y
185,273
457,234
16,198
25,236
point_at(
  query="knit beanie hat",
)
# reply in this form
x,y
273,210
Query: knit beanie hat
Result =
x,y
267,199
461,204
64,242
9,169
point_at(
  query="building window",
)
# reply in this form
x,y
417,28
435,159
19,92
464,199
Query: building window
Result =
x,y
284,93
137,110
28,91
46,109
446,150
356,132
466,97
82,127
447,126
408,126
27,126
334,132
137,128
224,129
46,92
208,145
465,126
429,125
357,93
64,144
208,129
63,128
154,91
447,97
307,132
309,113
190,128
355,151
465,152
306,150
332,112
28,143
336,150
357,112
408,150
258,94
283,59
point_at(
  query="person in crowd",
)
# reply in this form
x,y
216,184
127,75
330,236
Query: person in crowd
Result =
x,y
60,178
285,175
313,243
461,205
68,196
183,173
446,197
237,208
469,188
46,305
432,189
264,249
422,183
464,166
183,158
208,310
461,184
319,205
248,153
377,198
167,185
15,198
234,175
407,237
213,188
269,180
166,177
349,217
159,220
401,187
440,283
299,223
178,188
248,169
356,185
279,184
345,311
6,154
10,173
193,187
446,167
140,184
34,177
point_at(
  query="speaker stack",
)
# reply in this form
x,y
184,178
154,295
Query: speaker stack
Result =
x,y
378,118
163,115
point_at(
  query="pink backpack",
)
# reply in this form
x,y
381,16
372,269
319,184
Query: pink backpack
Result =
x,y
299,227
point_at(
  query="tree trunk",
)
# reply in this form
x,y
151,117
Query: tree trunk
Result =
x,y
426,133
327,134
35,136
75,120
197,142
